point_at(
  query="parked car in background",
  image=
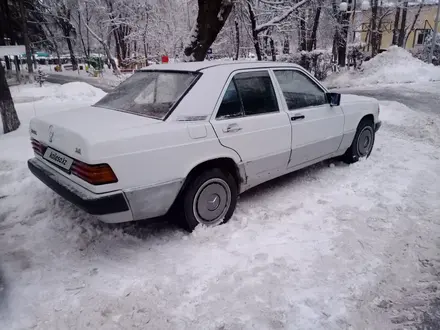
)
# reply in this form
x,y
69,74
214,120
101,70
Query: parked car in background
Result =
x,y
190,137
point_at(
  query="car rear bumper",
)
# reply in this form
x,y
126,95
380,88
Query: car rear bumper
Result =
x,y
377,126
119,206
95,204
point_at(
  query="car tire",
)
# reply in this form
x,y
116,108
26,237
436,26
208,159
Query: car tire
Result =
x,y
209,199
362,144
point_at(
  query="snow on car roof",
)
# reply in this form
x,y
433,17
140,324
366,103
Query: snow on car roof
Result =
x,y
198,66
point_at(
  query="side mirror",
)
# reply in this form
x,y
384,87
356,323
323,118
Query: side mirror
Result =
x,y
334,99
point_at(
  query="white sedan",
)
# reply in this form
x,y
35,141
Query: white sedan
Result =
x,y
190,137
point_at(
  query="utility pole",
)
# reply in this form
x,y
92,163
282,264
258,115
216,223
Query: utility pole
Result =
x,y
434,37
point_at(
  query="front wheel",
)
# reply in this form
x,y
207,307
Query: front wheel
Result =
x,y
210,199
362,144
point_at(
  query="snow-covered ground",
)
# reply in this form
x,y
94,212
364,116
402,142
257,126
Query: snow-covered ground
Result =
x,y
329,247
394,66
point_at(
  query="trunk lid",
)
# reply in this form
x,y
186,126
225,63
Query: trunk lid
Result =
x,y
73,132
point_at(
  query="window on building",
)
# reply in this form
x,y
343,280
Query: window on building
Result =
x,y
422,35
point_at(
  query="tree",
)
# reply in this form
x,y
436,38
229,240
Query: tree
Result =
x,y
396,25
25,32
61,12
254,31
312,42
266,16
402,30
7,109
416,17
211,17
237,40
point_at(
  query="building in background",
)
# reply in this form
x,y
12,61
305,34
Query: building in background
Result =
x,y
415,38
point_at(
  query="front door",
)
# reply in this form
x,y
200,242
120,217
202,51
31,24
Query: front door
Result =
x,y
249,121
317,127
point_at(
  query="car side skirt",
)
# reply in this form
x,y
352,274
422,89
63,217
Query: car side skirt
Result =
x,y
314,150
346,142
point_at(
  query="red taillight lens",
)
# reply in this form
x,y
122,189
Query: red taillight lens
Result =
x,y
94,174
38,147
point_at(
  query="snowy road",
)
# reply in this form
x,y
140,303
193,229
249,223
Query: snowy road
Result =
x,y
329,247
424,97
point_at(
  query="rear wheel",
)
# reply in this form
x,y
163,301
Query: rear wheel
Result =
x,y
362,144
210,199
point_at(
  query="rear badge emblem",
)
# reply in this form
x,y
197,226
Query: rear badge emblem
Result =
x,y
51,133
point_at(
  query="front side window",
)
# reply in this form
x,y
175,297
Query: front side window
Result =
x,y
298,90
149,93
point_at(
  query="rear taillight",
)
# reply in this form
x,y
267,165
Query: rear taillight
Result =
x,y
38,147
93,174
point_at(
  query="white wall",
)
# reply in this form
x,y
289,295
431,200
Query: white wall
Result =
x,y
12,50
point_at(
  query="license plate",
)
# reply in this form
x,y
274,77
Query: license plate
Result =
x,y
58,158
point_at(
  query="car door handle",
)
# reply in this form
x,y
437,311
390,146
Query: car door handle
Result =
x,y
232,128
297,117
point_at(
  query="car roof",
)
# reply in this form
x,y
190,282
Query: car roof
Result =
x,y
206,65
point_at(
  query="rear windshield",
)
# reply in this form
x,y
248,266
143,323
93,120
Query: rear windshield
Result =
x,y
149,93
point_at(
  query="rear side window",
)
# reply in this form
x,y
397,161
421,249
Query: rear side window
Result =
x,y
231,103
149,93
248,93
298,90
256,92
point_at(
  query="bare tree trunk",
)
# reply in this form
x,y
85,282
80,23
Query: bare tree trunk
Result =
x,y
286,45
302,27
106,48
396,25
145,49
272,50
87,31
336,34
7,110
117,46
312,41
416,17
342,46
72,54
211,18
237,40
81,36
53,42
374,33
402,31
27,43
254,32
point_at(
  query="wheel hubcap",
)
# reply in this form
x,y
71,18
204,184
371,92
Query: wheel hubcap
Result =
x,y
212,201
365,141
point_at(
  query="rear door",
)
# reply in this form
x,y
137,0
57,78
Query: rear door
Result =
x,y
248,120
317,127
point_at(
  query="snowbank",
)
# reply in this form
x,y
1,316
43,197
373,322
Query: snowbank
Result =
x,y
71,91
396,65
77,90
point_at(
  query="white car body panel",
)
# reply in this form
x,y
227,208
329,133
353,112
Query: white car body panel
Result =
x,y
152,158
